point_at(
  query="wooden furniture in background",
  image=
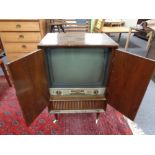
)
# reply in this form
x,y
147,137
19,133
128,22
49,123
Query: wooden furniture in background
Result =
x,y
128,76
98,25
56,25
117,29
5,72
68,25
114,22
138,30
141,34
20,37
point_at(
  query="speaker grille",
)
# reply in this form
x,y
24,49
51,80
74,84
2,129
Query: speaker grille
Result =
x,y
77,105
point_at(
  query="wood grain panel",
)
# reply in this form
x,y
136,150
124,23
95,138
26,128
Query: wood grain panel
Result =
x,y
19,25
128,81
21,36
77,105
77,39
30,80
77,97
14,56
20,47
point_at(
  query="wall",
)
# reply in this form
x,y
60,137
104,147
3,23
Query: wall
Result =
x,y
130,22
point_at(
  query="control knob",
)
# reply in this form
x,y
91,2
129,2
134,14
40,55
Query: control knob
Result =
x,y
58,92
96,92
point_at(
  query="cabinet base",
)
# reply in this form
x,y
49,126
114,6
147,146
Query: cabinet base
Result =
x,y
76,111
57,112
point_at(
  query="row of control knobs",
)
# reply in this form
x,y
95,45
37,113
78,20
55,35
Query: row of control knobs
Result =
x,y
59,92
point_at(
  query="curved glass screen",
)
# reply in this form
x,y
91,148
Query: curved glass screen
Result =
x,y
77,67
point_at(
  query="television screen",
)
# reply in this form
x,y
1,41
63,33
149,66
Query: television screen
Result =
x,y
76,67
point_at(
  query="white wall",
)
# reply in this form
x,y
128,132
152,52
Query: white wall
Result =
x,y
130,22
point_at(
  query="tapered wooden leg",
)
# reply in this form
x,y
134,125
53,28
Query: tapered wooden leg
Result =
x,y
52,28
119,37
58,28
97,117
128,39
62,28
150,34
5,73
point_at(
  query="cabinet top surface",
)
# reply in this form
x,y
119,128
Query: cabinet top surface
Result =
x,y
77,39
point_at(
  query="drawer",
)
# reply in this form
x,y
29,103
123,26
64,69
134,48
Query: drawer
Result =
x,y
15,56
21,36
20,47
19,26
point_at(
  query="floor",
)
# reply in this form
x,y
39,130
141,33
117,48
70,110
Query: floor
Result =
x,y
145,118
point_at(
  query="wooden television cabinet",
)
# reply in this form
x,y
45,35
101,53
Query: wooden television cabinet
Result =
x,y
128,78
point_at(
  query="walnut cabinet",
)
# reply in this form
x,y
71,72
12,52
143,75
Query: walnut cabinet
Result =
x,y
128,75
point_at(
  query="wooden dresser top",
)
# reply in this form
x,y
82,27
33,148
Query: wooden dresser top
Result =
x,y
77,39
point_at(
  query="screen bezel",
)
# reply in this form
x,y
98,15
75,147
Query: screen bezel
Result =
x,y
103,83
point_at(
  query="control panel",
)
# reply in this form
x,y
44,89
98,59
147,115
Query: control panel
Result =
x,y
76,91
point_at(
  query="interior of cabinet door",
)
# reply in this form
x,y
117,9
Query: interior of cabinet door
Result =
x,y
30,81
128,81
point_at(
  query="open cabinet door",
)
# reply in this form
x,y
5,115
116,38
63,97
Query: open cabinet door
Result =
x,y
128,81
30,80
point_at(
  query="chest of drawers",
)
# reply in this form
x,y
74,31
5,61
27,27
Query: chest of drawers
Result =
x,y
20,37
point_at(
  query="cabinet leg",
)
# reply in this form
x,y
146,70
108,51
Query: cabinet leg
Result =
x,y
52,29
62,28
58,27
97,117
56,118
128,39
119,37
150,34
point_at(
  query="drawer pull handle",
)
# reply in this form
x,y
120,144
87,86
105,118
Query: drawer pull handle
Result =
x,y
18,26
24,46
21,36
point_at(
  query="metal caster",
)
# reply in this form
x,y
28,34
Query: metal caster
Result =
x,y
97,117
56,118
97,121
55,121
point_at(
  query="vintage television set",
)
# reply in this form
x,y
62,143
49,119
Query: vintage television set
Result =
x,y
80,72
